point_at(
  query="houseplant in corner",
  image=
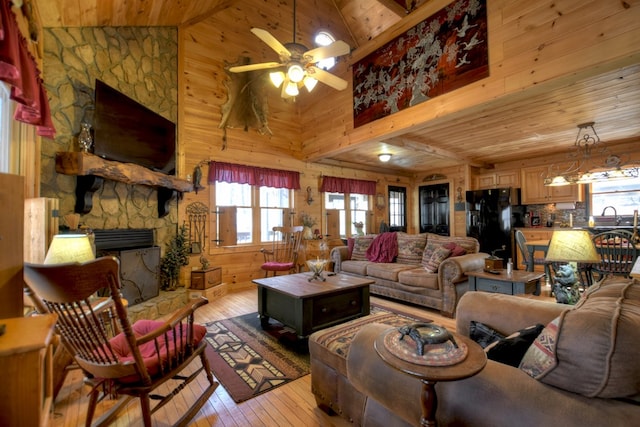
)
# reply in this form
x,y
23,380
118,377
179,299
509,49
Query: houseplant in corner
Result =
x,y
176,256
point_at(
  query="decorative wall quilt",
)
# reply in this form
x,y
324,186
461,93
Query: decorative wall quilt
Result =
x,y
444,52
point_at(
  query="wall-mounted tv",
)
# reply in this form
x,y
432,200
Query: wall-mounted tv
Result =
x,y
127,131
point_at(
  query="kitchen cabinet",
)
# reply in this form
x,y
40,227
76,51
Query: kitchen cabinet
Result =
x,y
503,179
533,190
26,369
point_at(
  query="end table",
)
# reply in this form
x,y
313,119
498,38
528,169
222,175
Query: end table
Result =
x,y
474,362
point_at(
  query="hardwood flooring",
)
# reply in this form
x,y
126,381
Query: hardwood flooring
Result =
x,y
289,405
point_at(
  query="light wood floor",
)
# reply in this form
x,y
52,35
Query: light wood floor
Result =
x,y
289,405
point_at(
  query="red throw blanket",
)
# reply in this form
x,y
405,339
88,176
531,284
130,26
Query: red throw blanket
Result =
x,y
383,248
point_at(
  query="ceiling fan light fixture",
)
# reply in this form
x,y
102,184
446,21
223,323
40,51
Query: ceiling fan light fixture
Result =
x,y
292,89
295,73
277,77
310,83
384,157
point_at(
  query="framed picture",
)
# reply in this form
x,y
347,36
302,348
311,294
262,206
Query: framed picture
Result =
x,y
535,221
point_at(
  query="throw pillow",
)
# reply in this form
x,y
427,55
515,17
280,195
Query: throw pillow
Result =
x,y
350,242
360,247
456,249
511,350
439,255
483,334
592,348
410,248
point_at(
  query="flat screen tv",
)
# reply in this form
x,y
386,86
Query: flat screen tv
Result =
x,y
127,131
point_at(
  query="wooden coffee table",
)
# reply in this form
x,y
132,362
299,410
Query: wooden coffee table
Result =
x,y
519,282
308,306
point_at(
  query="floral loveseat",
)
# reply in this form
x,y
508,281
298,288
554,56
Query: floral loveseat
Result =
x,y
425,269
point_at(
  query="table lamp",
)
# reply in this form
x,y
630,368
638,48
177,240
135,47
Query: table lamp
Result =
x,y
570,247
66,248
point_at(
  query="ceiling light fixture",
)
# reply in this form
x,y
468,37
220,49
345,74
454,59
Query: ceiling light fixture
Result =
x,y
384,157
584,170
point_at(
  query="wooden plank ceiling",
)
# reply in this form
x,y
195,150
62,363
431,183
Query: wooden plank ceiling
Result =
x,y
534,126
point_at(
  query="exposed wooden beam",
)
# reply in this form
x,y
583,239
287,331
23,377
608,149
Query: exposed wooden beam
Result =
x,y
394,7
365,167
434,151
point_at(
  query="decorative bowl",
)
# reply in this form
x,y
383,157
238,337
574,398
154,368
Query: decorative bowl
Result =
x,y
316,266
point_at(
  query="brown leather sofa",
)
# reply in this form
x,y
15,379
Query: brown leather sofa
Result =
x,y
595,379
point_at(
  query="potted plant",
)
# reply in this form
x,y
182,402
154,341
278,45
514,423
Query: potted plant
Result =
x,y
175,257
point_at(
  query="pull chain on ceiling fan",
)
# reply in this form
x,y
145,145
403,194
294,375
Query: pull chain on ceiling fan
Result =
x,y
299,63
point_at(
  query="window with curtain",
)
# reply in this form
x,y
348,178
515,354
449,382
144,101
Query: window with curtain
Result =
x,y
250,201
348,205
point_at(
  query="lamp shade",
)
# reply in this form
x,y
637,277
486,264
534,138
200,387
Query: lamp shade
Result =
x,y
572,246
66,248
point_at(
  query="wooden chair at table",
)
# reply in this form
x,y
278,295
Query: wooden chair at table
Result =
x,y
521,241
283,255
617,254
135,362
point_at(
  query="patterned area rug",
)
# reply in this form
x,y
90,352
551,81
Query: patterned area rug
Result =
x,y
249,360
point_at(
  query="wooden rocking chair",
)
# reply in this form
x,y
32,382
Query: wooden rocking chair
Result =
x,y
138,359
283,255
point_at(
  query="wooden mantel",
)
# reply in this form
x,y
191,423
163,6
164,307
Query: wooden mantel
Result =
x,y
91,170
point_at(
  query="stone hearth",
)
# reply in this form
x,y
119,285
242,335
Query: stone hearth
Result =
x,y
165,303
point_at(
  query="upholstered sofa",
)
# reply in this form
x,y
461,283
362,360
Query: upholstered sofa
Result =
x,y
588,372
424,269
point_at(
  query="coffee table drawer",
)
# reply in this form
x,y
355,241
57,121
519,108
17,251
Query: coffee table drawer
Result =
x,y
330,308
498,286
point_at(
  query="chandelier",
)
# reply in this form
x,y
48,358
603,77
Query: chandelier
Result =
x,y
583,170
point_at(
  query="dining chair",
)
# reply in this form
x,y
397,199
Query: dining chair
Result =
x,y
521,241
617,254
139,358
285,246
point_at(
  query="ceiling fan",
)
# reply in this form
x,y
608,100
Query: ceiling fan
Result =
x,y
299,64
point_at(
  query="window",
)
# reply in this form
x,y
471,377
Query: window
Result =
x,y
5,126
356,211
253,219
273,202
397,208
624,195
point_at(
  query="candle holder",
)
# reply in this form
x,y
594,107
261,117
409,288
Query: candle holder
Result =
x,y
316,267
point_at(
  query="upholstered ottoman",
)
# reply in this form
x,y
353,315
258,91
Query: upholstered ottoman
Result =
x,y
329,349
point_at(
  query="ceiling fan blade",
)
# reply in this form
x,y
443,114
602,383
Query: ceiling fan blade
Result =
x,y
327,78
337,48
271,41
252,67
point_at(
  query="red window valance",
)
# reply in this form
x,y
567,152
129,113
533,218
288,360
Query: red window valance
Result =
x,y
18,69
332,184
261,177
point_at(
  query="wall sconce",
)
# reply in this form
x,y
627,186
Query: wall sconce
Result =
x,y
379,201
384,157
309,196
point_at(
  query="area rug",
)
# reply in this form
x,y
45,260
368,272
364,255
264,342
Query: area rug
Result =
x,y
249,360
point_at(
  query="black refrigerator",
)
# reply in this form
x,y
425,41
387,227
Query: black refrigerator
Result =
x,y
491,216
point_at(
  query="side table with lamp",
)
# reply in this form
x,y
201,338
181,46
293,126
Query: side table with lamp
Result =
x,y
571,252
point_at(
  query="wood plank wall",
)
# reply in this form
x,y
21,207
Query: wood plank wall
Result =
x,y
532,48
